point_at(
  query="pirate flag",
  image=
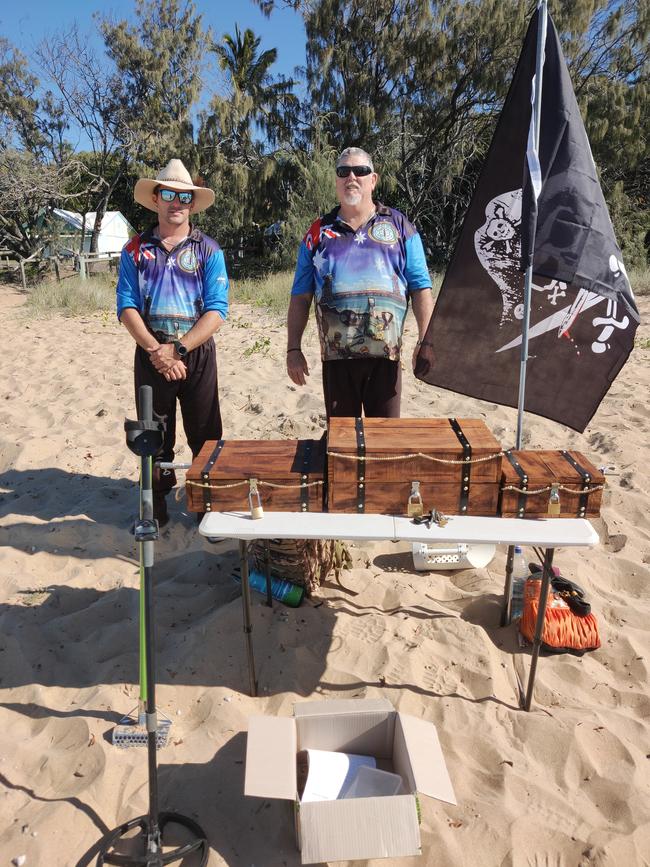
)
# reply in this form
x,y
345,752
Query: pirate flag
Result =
x,y
547,207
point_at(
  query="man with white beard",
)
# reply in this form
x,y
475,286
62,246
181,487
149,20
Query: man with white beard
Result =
x,y
362,263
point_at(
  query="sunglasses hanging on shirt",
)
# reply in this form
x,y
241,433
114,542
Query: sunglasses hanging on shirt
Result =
x,y
357,171
169,196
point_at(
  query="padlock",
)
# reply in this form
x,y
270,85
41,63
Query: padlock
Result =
x,y
254,500
554,502
415,507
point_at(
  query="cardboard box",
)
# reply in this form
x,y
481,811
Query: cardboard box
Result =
x,y
354,828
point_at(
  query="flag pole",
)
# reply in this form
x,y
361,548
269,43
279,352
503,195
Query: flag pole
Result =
x,y
528,282
533,156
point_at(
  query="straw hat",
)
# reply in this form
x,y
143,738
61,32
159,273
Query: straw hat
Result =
x,y
175,177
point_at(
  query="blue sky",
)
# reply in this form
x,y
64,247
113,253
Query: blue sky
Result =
x,y
26,24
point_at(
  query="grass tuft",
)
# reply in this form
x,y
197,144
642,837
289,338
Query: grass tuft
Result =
x,y
73,296
640,280
271,291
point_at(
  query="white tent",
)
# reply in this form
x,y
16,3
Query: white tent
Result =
x,y
115,231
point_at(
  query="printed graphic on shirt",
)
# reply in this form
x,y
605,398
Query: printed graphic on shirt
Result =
x,y
384,233
361,281
187,261
313,235
366,327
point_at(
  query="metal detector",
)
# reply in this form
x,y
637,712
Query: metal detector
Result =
x,y
144,438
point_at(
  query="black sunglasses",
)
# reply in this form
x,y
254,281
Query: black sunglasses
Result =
x,y
170,195
357,171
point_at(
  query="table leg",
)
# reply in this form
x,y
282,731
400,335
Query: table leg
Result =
x,y
506,613
267,572
246,602
539,626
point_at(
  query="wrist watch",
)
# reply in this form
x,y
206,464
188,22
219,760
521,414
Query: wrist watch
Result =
x,y
181,349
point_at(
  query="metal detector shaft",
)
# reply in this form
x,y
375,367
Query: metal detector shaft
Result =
x,y
145,403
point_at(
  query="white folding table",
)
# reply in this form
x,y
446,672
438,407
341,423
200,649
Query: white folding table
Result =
x,y
546,534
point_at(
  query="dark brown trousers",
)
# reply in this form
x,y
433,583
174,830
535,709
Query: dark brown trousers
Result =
x,y
198,396
373,385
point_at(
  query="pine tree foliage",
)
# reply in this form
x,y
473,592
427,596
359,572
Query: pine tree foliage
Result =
x,y
243,135
418,83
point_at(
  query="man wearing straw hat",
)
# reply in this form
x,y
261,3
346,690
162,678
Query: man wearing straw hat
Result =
x,y
362,264
172,296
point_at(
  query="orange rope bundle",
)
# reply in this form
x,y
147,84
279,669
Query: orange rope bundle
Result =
x,y
563,630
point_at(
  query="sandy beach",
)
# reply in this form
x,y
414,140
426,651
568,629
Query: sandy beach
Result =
x,y
565,785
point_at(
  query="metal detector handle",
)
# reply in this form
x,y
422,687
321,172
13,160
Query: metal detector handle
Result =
x,y
145,436
145,403
145,413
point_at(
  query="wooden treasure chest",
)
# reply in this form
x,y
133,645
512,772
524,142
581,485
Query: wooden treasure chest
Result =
x,y
402,466
546,484
228,475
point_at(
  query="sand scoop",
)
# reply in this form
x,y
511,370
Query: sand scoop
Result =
x,y
131,731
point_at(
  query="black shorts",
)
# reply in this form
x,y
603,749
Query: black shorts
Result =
x,y
371,385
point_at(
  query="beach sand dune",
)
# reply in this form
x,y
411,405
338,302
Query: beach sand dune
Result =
x,y
566,785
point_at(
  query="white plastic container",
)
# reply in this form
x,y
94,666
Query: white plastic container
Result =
x,y
451,555
372,783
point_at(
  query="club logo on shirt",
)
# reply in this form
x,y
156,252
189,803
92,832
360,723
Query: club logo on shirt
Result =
x,y
187,261
384,233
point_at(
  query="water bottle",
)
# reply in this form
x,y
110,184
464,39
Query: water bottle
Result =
x,y
283,591
519,576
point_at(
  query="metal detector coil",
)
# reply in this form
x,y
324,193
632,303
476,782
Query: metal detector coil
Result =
x,y
457,555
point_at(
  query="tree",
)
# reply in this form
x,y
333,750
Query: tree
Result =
x,y
29,189
36,167
266,103
420,84
94,100
313,194
243,135
159,62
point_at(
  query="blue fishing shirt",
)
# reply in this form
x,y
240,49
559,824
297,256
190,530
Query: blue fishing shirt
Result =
x,y
172,290
361,280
